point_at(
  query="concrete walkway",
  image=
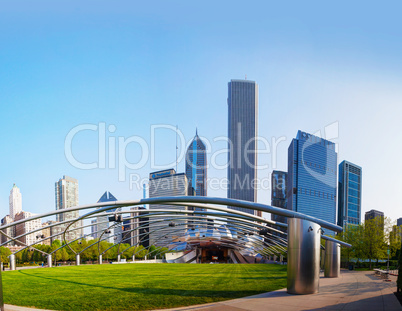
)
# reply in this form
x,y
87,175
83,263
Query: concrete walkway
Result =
x,y
354,290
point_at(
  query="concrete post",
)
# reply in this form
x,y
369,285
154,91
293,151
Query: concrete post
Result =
x,y
12,261
332,261
100,259
49,261
118,258
77,260
303,256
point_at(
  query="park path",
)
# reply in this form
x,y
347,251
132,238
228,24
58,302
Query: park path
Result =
x,y
353,290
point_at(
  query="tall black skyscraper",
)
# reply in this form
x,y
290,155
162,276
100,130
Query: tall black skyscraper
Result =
x,y
242,133
278,193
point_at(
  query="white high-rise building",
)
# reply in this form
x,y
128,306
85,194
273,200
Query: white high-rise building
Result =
x,y
66,190
15,202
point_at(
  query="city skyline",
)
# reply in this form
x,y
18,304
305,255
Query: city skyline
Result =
x,y
313,70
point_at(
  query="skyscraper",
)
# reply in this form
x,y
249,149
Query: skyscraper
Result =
x,y
196,166
15,201
102,221
242,133
196,169
66,190
278,193
399,222
166,183
311,184
349,194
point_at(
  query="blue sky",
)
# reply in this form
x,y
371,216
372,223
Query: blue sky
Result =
x,y
135,65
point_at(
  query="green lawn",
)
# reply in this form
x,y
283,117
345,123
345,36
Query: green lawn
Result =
x,y
137,286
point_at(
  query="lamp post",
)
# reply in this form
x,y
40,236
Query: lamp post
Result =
x,y
388,263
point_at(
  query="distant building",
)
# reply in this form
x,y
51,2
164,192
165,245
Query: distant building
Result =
x,y
103,223
138,227
312,180
49,232
66,191
242,145
15,201
10,231
196,166
373,214
399,222
349,194
166,183
94,229
278,193
28,226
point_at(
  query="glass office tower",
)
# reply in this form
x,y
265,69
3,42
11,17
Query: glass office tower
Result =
x,y
102,221
242,132
349,194
196,166
311,184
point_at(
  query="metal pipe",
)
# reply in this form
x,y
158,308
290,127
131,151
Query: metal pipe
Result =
x,y
12,261
332,261
303,256
49,261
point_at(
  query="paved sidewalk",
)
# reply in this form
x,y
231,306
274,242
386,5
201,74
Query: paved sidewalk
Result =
x,y
354,290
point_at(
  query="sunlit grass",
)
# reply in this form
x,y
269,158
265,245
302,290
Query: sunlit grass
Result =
x,y
137,286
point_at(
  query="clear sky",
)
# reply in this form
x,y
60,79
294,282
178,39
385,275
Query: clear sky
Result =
x,y
133,65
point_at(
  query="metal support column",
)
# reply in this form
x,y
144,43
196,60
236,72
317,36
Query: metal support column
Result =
x,y
12,261
100,259
49,261
332,261
133,258
77,260
303,256
118,258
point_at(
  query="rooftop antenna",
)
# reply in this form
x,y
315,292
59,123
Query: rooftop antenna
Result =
x,y
246,77
176,146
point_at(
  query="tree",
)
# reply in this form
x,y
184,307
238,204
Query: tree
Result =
x,y
5,252
374,239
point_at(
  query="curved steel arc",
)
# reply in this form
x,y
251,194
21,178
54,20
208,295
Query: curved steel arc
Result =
x,y
181,229
165,211
244,204
207,224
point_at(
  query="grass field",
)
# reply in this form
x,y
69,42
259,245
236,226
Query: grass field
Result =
x,y
137,286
